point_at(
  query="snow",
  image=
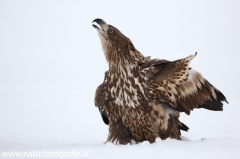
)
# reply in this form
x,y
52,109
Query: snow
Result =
x,y
170,148
51,62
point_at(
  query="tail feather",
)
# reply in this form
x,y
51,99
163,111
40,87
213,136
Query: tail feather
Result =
x,y
183,127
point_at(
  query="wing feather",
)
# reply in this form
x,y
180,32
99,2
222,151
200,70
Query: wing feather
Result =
x,y
99,101
178,86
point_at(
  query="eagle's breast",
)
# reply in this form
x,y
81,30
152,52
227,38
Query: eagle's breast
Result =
x,y
126,86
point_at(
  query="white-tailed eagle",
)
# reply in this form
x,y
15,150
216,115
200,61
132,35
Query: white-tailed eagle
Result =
x,y
141,98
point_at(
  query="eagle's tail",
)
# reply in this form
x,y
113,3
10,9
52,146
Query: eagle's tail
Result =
x,y
174,127
183,126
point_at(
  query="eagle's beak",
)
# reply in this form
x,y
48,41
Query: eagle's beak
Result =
x,y
100,24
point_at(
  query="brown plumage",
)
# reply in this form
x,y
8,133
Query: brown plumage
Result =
x,y
141,98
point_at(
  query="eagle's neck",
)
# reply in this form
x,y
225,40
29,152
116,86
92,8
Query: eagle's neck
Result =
x,y
117,54
124,64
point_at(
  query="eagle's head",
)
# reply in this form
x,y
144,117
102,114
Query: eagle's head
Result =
x,y
117,47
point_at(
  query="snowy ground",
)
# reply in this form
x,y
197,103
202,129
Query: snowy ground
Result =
x,y
208,148
51,63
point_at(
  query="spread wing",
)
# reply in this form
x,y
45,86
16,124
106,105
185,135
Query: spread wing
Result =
x,y
176,85
99,101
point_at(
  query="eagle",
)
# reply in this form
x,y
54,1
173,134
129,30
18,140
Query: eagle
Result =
x,y
141,98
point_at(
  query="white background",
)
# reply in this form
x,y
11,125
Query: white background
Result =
x,y
51,63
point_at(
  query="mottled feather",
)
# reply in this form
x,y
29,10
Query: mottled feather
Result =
x,y
141,98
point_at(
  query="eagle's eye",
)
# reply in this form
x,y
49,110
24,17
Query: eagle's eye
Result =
x,y
110,30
